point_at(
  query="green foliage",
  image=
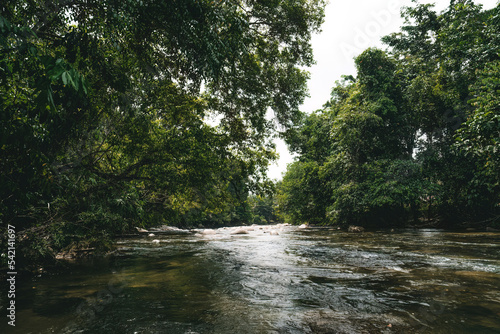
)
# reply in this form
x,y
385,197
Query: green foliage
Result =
x,y
480,134
301,194
414,137
105,108
479,140
262,209
312,142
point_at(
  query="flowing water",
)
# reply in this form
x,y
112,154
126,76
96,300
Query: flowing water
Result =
x,y
312,280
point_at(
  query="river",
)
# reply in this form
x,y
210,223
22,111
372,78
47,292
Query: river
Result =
x,y
293,280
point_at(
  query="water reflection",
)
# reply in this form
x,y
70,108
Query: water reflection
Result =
x,y
292,281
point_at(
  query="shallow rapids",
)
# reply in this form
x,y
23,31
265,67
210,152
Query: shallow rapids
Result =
x,y
275,279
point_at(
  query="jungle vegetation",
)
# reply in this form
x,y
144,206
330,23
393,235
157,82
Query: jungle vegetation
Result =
x,y
116,114
414,138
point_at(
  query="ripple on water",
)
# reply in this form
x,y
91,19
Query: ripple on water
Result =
x,y
299,281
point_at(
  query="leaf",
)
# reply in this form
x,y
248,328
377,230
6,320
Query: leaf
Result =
x,y
51,99
65,78
75,78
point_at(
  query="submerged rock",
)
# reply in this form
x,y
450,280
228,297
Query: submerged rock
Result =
x,y
355,229
164,229
74,253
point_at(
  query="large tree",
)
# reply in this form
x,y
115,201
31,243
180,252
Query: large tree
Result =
x,y
105,108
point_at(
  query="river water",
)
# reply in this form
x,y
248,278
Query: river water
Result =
x,y
311,280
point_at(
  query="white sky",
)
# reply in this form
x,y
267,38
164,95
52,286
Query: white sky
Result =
x,y
350,27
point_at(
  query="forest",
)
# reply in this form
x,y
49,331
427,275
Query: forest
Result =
x,y
123,114
414,138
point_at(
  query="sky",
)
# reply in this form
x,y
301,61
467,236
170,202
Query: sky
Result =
x,y
350,27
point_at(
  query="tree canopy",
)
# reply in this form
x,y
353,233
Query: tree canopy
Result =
x,y
106,111
414,137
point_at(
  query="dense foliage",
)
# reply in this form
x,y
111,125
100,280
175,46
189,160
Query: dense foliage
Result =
x,y
415,137
117,114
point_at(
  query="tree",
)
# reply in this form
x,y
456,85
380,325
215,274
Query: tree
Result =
x,y
479,139
104,116
301,194
414,135
440,55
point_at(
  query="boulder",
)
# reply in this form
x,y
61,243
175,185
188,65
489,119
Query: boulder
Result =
x,y
240,231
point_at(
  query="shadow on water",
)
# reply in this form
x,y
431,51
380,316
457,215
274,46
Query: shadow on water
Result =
x,y
298,281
